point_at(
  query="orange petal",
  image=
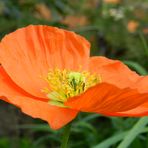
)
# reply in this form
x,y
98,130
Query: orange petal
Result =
x,y
139,111
141,84
105,97
113,72
55,116
28,53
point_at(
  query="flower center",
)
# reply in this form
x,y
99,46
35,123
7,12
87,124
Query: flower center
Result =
x,y
64,84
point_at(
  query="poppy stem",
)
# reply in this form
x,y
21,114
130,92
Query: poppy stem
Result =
x,y
65,135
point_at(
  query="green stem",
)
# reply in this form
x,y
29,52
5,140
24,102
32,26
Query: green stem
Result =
x,y
65,135
145,46
138,127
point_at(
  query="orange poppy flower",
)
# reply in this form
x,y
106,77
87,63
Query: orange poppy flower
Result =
x,y
47,72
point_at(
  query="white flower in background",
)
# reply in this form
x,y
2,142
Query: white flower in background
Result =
x,y
117,14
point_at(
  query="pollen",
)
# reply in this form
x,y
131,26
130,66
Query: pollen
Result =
x,y
64,84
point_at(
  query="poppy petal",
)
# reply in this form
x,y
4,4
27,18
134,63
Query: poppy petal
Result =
x,y
141,85
105,97
28,53
139,111
55,116
7,84
113,71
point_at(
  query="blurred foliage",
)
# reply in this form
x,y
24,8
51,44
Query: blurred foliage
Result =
x,y
117,29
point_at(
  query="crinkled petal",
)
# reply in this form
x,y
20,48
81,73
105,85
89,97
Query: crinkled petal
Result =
x,y
55,116
106,98
113,72
141,84
35,107
142,110
28,53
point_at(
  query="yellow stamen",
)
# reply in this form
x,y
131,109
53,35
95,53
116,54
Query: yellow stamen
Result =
x,y
64,84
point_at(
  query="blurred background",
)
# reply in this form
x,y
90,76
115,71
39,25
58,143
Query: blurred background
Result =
x,y
117,29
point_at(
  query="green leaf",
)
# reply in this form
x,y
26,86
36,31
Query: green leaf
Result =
x,y
112,140
37,127
136,130
116,138
143,40
140,69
